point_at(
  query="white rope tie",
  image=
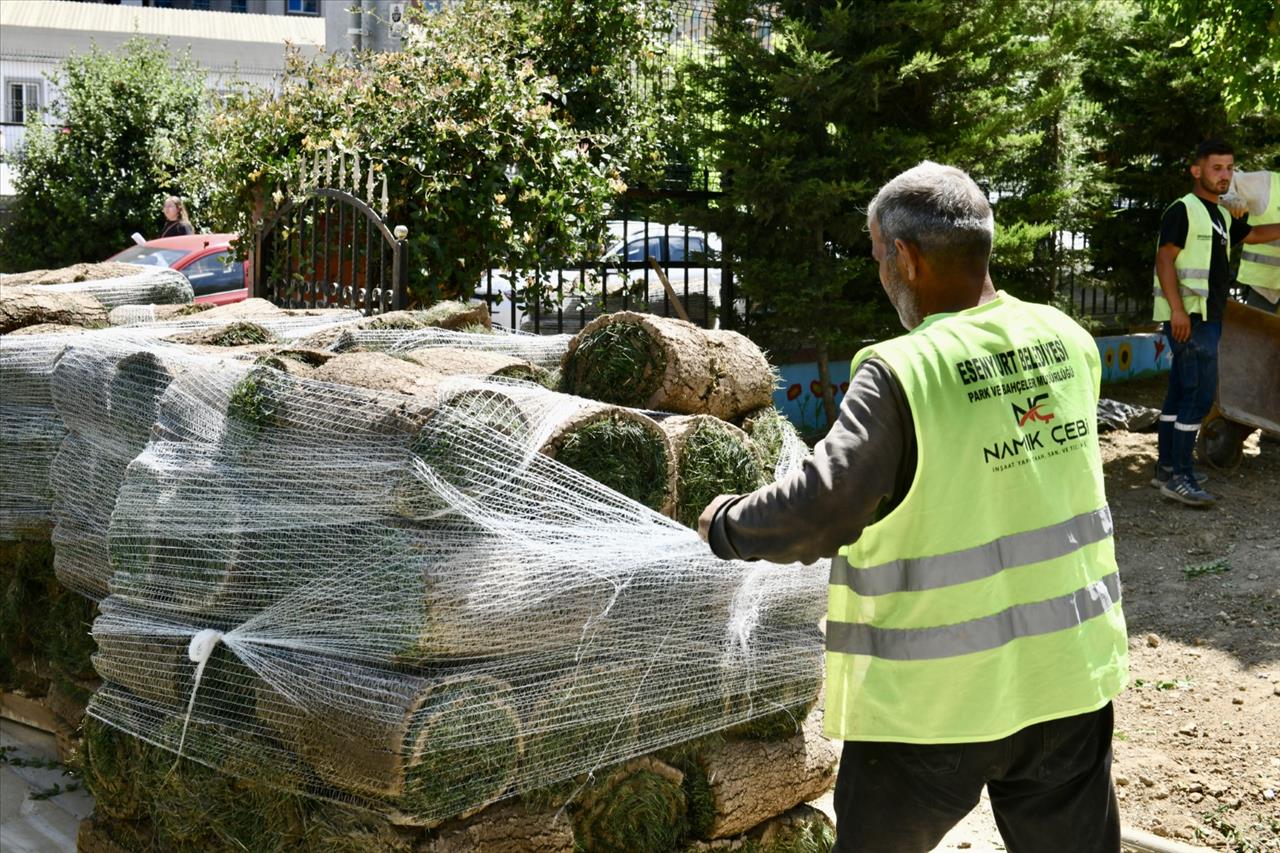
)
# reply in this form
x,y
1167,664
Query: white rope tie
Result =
x,y
199,650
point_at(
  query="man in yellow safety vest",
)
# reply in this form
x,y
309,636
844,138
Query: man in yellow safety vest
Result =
x,y
1192,279
975,636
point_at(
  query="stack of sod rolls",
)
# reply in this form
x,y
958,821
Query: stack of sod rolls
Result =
x,y
60,483
375,584
83,295
712,389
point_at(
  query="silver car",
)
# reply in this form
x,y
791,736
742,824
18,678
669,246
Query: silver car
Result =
x,y
565,300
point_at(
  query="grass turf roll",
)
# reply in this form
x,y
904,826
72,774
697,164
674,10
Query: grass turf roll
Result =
x,y
42,621
664,364
640,807
770,433
238,333
624,450
449,749
712,458
581,719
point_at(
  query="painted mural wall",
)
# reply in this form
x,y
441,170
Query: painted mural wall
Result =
x,y
1123,357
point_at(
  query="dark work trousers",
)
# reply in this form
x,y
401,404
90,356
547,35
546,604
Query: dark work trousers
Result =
x,y
1193,384
1050,789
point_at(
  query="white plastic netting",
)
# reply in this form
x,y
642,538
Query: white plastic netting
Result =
x,y
151,286
32,428
389,600
543,351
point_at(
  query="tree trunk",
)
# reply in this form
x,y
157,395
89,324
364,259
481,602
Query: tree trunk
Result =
x,y
824,376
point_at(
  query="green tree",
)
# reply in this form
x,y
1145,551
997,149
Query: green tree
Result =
x,y
499,145
1239,39
126,125
843,97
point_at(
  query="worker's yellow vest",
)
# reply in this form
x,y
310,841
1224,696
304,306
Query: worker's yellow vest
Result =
x,y
1192,263
988,599
1260,262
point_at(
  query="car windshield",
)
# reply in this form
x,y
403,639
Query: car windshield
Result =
x,y
150,256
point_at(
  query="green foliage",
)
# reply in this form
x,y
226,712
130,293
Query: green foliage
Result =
x,y
848,95
128,121
1148,99
1240,39
503,130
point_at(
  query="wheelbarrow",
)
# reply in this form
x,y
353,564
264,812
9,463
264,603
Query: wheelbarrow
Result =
x,y
1248,385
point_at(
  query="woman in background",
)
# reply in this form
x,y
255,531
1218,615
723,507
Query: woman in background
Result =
x,y
176,223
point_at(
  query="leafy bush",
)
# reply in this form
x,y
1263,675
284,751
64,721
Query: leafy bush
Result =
x,y
503,132
127,125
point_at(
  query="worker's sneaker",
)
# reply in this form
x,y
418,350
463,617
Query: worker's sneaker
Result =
x,y
1164,475
1182,489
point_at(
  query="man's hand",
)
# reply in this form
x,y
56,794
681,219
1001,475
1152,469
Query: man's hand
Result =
x,y
704,520
1180,325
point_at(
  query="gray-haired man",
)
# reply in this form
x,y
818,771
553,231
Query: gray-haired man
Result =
x,y
974,631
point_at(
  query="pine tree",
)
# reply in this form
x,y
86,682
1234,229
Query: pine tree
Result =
x,y
845,96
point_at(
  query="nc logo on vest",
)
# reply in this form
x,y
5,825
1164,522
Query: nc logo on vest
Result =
x,y
1033,411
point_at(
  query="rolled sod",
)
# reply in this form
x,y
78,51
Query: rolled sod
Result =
x,y
449,749
450,361
577,720
640,807
771,432
712,458
734,785
619,448
660,363
238,333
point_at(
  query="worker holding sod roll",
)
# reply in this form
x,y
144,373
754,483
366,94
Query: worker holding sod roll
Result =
x,y
975,635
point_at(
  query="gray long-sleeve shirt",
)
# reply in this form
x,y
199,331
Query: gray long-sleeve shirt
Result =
x,y
857,474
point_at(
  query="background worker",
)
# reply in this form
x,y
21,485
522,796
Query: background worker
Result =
x,y
974,631
1193,277
1259,196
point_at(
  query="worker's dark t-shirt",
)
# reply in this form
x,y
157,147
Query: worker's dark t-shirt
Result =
x,y
1173,229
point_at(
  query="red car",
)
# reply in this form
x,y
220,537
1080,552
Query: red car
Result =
x,y
205,259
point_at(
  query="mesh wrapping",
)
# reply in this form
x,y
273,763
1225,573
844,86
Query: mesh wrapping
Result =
x,y
543,351
388,600
148,286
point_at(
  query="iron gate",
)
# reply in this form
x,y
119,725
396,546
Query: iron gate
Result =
x,y
325,248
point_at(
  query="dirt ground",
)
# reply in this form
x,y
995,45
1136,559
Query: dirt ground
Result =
x,y
1197,741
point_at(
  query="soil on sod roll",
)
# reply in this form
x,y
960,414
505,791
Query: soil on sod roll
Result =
x,y
712,458
22,307
458,362
660,363
744,782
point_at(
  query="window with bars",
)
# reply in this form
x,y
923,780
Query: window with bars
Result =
x,y
240,5
21,98
304,7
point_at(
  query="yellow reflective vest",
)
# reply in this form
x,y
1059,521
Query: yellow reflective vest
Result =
x,y
988,599
1260,262
1192,263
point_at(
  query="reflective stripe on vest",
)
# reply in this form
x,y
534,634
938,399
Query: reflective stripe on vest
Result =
x,y
977,635
1019,549
1193,261
1260,262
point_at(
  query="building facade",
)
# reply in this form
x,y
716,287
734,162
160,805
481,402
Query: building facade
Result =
x,y
36,36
